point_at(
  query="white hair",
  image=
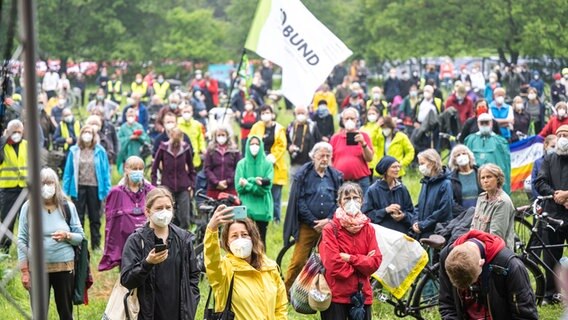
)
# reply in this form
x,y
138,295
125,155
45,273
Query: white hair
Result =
x,y
318,146
13,124
458,148
352,110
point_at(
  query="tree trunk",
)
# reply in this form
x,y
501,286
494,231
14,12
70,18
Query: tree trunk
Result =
x,y
63,64
502,57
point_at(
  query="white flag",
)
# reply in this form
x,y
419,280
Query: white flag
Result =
x,y
287,33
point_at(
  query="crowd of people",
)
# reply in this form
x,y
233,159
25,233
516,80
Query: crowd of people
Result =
x,y
342,179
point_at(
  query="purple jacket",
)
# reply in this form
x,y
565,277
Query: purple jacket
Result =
x,y
220,166
124,211
177,170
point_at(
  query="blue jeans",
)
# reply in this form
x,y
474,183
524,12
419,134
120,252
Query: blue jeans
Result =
x,y
364,183
277,198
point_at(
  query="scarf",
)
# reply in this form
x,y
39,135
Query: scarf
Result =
x,y
353,224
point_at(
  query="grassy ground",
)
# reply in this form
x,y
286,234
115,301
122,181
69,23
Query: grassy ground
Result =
x,y
104,280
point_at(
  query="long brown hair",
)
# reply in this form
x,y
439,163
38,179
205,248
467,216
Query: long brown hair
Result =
x,y
257,255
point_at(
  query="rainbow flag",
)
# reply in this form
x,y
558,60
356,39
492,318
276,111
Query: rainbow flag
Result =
x,y
523,155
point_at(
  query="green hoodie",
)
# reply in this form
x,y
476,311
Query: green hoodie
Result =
x,y
257,199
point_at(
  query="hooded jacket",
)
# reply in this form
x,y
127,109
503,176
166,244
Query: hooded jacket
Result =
x,y
553,176
379,196
343,277
434,203
102,172
491,149
508,295
178,173
257,199
137,273
278,150
257,294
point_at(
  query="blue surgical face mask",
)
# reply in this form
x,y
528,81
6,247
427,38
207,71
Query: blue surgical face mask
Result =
x,y
322,111
136,176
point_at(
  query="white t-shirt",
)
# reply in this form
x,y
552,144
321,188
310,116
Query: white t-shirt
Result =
x,y
50,81
424,109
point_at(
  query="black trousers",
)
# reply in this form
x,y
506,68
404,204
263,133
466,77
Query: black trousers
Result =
x,y
558,237
262,226
340,311
88,200
62,284
7,198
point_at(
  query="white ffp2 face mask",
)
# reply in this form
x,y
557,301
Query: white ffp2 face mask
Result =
x,y
254,149
162,218
424,170
47,191
241,248
462,160
352,207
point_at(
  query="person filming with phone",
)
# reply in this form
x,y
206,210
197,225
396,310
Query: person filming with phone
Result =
x,y
159,260
259,291
352,150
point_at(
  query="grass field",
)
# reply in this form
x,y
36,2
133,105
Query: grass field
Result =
x,y
104,281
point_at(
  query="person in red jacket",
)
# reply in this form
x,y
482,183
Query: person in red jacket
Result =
x,y
555,122
350,255
461,102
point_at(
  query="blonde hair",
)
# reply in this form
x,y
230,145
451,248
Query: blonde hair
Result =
x,y
82,145
432,156
462,266
495,171
157,193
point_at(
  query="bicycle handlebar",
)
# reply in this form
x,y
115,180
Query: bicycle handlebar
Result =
x,y
556,222
545,197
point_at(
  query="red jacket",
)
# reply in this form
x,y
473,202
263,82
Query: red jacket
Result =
x,y
465,108
343,277
553,124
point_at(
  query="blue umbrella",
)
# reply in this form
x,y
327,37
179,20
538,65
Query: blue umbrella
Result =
x,y
357,312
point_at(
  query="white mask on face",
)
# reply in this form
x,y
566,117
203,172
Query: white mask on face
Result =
x,y
424,170
387,132
562,145
551,151
561,113
352,207
169,126
427,95
162,218
241,248
301,118
130,120
47,191
519,106
349,125
266,117
531,96
248,107
87,137
16,137
187,116
254,149
221,140
462,160
485,130
372,117
500,100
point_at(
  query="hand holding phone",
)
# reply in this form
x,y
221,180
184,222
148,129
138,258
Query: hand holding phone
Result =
x,y
160,247
351,138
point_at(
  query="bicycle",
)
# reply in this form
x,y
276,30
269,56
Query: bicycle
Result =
x,y
529,244
416,301
205,211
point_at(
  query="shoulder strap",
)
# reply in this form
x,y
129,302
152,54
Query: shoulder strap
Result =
x,y
67,213
230,297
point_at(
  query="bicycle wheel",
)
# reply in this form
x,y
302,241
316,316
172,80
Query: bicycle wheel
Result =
x,y
425,299
284,257
523,229
536,278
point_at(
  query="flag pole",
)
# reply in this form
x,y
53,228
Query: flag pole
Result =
x,y
233,81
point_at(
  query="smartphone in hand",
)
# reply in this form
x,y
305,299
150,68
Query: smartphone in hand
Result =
x,y
351,138
239,212
159,247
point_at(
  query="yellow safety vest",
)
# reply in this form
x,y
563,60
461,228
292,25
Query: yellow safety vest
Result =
x,y
141,89
14,169
65,132
161,90
115,88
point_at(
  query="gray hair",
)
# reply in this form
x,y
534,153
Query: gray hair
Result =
x,y
432,156
352,110
318,146
13,124
453,155
48,174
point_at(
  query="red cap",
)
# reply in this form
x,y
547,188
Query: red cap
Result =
x,y
557,76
